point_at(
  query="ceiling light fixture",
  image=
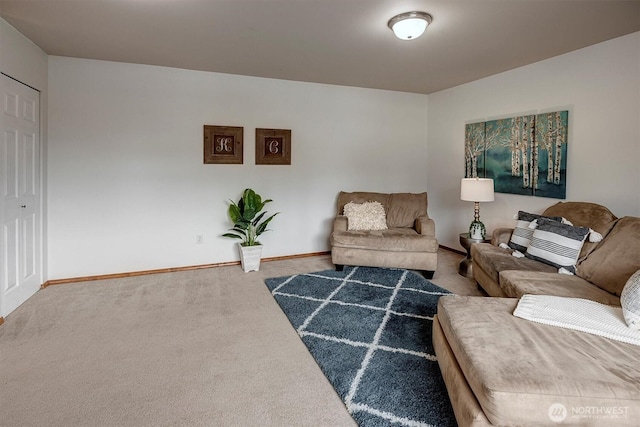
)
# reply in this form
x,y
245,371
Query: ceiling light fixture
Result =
x,y
409,25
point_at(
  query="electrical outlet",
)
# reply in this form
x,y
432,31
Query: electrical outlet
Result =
x,y
199,239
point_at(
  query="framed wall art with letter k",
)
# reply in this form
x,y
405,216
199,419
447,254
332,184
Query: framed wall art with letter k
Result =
x,y
223,144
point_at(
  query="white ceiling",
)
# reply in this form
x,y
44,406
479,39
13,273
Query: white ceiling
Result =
x,y
344,42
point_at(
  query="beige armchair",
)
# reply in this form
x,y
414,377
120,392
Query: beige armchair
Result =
x,y
408,242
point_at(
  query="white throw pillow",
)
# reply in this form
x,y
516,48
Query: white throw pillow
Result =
x,y
365,216
630,301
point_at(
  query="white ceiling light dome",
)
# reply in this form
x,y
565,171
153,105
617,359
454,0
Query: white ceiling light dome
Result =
x,y
409,25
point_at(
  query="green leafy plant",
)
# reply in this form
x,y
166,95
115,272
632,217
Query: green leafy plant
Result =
x,y
246,216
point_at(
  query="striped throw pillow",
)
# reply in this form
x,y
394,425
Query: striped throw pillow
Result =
x,y
557,244
521,236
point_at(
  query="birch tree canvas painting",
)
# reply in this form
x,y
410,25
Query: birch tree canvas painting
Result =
x,y
474,150
550,175
523,155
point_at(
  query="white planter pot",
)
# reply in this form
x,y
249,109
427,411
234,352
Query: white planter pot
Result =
x,y
250,257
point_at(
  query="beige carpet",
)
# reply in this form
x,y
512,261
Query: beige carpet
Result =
x,y
198,348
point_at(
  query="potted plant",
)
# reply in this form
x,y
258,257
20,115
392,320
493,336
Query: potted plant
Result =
x,y
249,223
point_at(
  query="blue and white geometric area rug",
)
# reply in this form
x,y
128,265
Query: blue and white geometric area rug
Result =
x,y
369,330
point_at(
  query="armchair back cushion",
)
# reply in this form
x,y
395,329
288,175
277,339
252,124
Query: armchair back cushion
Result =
x,y
361,197
402,209
405,208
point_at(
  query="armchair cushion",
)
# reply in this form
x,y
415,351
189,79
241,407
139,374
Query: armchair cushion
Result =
x,y
361,197
404,208
393,239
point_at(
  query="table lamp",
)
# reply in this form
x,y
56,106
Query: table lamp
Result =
x,y
477,190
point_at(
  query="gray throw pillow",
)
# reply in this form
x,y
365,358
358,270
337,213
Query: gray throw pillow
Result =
x,y
630,301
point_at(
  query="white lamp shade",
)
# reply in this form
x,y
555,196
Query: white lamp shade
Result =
x,y
476,190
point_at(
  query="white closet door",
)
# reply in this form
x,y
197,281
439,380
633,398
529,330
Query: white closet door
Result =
x,y
20,211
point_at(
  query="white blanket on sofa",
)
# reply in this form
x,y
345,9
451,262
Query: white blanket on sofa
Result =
x,y
577,314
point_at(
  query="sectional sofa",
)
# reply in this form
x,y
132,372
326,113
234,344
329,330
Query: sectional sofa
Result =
x,y
504,370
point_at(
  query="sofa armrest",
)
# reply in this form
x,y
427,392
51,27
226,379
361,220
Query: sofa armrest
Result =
x,y
340,223
425,226
501,235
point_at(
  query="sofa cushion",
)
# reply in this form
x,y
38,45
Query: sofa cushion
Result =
x,y
584,214
518,369
615,258
493,260
557,244
365,216
630,301
404,208
393,239
517,283
577,314
522,233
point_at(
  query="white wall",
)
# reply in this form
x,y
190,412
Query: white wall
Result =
x,y
128,189
599,85
22,60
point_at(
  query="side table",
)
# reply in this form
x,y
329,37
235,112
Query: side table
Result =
x,y
466,265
